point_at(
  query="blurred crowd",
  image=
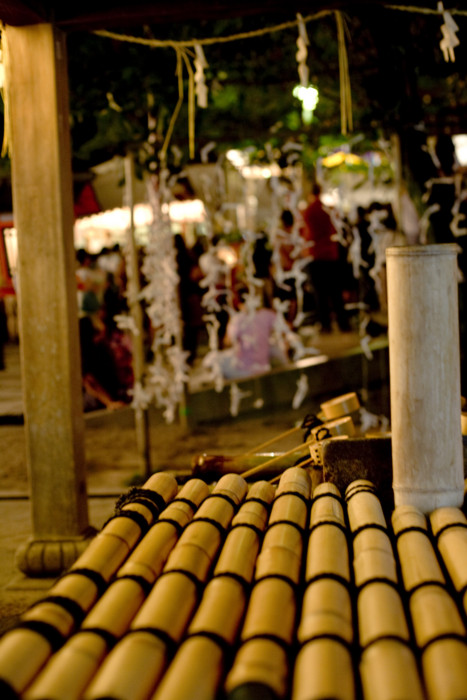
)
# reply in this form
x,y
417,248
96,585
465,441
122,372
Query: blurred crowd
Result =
x,y
106,353
320,271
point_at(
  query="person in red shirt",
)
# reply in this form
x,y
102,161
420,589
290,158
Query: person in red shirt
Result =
x,y
325,268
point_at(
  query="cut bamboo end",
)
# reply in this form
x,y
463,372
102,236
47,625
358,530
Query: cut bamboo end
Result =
x,y
232,485
315,675
363,507
23,653
326,610
169,606
83,653
132,670
388,670
380,614
327,488
328,553
271,611
164,484
337,427
434,614
262,662
444,518
295,479
196,672
238,555
262,490
326,509
340,406
221,609
444,666
117,607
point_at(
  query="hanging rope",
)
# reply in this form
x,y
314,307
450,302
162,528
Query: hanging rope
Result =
x,y
209,41
345,92
6,151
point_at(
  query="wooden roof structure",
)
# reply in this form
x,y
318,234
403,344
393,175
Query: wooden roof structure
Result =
x,y
103,14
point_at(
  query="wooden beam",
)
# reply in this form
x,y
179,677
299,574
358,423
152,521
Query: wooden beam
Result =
x,y
37,98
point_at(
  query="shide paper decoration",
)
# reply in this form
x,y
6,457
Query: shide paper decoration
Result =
x,y
168,373
450,39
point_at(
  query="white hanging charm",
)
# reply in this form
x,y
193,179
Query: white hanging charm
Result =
x,y
302,53
450,39
200,84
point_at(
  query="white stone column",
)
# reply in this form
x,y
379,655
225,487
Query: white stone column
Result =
x,y
37,101
424,363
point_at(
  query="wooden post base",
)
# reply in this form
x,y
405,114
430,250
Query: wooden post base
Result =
x,y
51,556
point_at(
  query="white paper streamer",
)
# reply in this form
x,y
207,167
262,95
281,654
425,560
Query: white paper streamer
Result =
x,y
236,396
302,53
302,390
201,89
450,39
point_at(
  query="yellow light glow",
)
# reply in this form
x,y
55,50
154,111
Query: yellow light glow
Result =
x,y
309,97
340,157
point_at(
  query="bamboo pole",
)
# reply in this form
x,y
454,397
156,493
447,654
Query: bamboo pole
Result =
x,y
424,358
141,414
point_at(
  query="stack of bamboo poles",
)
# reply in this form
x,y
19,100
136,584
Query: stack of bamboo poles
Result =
x,y
135,666
250,592
102,628
388,668
43,629
439,630
268,631
325,632
197,668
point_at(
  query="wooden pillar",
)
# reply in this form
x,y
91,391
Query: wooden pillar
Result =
x,y
37,99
